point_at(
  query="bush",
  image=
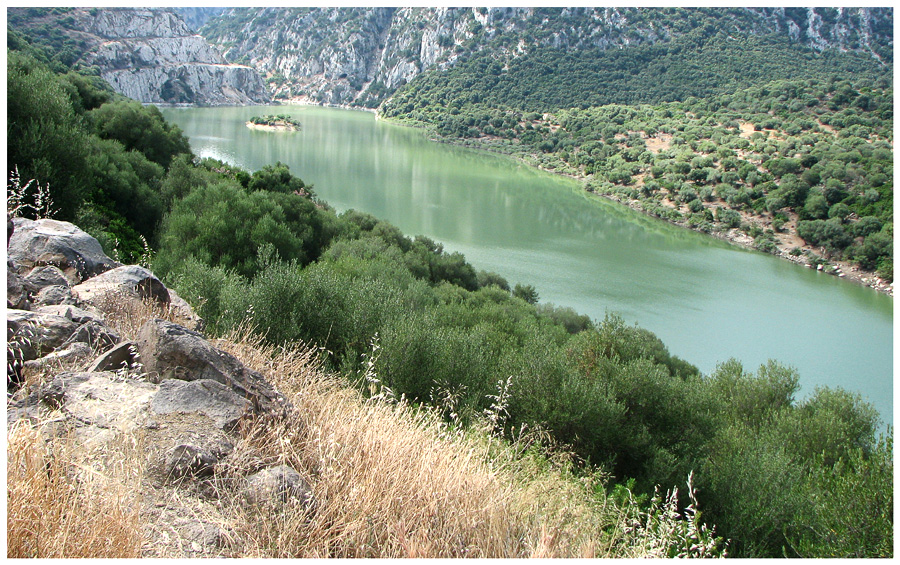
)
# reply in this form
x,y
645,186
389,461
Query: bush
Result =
x,y
222,225
141,128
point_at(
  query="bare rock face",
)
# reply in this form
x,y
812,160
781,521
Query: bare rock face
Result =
x,y
32,334
197,455
129,280
77,315
100,399
36,243
54,295
16,293
42,277
210,398
170,351
152,56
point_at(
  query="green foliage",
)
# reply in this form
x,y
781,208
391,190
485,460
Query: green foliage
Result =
x,y
279,120
141,128
46,140
223,225
851,516
777,477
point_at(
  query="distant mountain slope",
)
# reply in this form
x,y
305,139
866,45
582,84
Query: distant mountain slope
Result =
x,y
362,55
146,54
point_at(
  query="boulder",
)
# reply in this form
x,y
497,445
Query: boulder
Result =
x,y
54,295
210,398
99,399
170,351
35,243
278,485
122,356
183,311
45,276
96,334
196,455
77,315
72,353
128,280
34,334
16,291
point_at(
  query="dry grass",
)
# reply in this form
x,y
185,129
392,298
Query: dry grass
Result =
x,y
66,501
126,314
390,480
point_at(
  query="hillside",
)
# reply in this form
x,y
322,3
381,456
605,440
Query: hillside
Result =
x,y
361,56
347,356
149,55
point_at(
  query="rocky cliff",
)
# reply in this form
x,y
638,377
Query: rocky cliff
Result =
x,y
150,55
342,55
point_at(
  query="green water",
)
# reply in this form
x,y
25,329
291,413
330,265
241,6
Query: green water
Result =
x,y
707,300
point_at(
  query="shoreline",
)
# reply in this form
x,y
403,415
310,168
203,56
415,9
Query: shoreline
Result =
x,y
276,127
734,236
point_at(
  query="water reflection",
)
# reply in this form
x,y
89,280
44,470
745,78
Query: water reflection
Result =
x,y
706,300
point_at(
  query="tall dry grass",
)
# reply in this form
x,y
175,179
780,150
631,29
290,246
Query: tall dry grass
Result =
x,y
390,480
66,501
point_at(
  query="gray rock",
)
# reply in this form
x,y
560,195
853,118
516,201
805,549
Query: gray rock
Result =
x,y
68,311
278,485
35,334
96,334
35,243
48,275
16,292
196,455
210,398
183,311
200,532
122,356
100,399
54,295
72,353
129,280
170,351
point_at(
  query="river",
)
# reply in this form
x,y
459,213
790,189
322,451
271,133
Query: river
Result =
x,y
707,300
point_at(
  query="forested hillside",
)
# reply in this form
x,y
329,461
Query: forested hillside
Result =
x,y
402,320
803,169
361,55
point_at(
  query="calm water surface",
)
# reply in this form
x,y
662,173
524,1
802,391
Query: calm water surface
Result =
x,y
707,300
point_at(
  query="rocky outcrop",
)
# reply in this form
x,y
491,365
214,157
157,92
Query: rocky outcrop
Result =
x,y
37,243
152,56
170,351
129,280
183,398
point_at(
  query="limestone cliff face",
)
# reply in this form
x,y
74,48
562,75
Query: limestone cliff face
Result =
x,y
152,56
343,55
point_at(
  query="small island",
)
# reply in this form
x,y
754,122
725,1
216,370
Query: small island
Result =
x,y
279,122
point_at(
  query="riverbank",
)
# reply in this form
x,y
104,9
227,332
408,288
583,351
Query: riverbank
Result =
x,y
785,244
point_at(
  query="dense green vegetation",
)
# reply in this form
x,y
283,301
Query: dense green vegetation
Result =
x,y
700,64
103,157
811,157
279,120
401,316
